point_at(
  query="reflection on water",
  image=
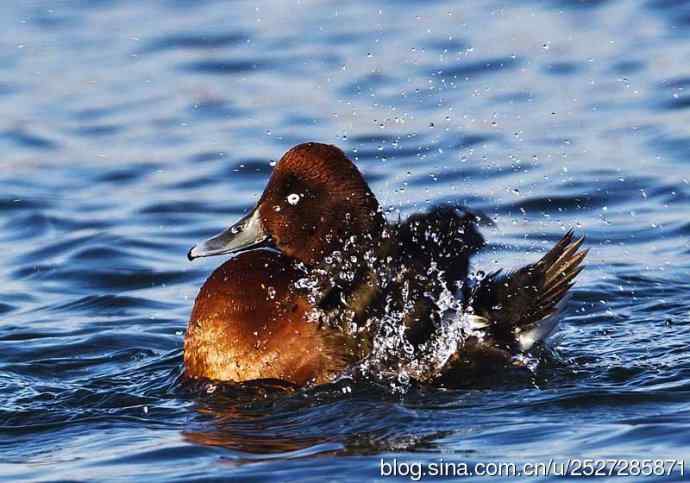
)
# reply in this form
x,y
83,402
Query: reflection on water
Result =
x,y
133,129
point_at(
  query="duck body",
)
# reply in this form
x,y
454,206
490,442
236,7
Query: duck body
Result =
x,y
340,279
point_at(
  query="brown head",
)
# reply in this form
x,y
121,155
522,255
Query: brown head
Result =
x,y
249,322
315,202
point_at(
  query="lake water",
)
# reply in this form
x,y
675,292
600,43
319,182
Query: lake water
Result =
x,y
131,130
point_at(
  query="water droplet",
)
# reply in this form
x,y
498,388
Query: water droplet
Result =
x,y
293,198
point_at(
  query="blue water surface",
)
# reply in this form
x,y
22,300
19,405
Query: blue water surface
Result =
x,y
131,130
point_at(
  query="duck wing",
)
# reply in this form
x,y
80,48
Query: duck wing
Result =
x,y
433,254
444,237
520,308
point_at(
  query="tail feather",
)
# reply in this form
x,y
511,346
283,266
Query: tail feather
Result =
x,y
523,307
529,335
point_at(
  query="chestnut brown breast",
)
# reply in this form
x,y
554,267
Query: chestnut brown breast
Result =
x,y
250,322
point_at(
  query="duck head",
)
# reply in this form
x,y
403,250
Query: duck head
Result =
x,y
316,203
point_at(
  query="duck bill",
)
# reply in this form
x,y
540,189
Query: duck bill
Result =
x,y
243,235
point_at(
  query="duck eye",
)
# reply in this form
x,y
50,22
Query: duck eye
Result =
x,y
293,199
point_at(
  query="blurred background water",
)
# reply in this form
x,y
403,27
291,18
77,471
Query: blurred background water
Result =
x,y
130,130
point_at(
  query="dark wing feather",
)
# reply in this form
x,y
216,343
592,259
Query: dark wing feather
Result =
x,y
446,237
440,241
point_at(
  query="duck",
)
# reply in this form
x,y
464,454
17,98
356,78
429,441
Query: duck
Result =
x,y
318,275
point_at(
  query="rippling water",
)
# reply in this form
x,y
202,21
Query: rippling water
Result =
x,y
131,130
